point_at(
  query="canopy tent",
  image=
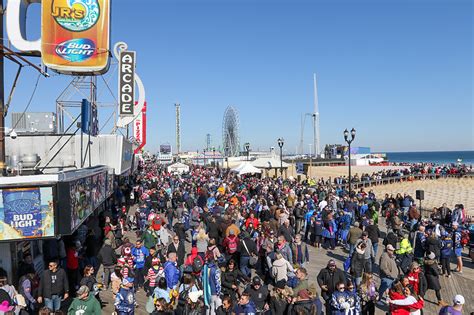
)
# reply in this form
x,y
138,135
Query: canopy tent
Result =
x,y
178,168
269,163
246,168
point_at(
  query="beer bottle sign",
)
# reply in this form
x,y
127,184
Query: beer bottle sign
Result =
x,y
75,34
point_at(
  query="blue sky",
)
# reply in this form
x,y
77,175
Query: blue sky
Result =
x,y
400,72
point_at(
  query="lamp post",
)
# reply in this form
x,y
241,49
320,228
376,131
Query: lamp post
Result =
x,y
226,153
349,141
214,156
281,142
247,149
204,156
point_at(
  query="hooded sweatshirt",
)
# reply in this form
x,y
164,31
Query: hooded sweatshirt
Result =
x,y
89,306
280,269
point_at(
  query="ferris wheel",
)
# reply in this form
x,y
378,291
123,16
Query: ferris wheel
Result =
x,y
230,132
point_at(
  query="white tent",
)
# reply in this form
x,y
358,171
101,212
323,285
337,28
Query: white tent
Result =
x,y
269,163
246,168
178,168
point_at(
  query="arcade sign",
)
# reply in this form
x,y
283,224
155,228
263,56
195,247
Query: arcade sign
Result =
x,y
126,84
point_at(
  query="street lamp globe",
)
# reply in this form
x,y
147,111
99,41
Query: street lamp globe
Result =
x,y
281,142
353,133
346,134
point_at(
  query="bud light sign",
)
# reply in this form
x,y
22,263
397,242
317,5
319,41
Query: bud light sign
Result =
x,y
26,213
76,50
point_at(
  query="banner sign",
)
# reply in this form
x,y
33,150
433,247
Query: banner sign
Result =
x,y
126,83
81,204
78,199
139,129
75,35
26,213
300,168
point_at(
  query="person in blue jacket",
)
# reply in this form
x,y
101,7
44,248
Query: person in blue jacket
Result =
x,y
139,253
457,246
245,305
172,273
329,233
125,298
446,251
211,282
317,227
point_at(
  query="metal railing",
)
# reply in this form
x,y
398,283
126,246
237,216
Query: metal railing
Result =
x,y
402,178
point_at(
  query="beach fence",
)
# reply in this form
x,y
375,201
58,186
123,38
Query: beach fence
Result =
x,y
404,178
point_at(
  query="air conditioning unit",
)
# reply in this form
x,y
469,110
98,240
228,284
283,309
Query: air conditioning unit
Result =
x,y
34,123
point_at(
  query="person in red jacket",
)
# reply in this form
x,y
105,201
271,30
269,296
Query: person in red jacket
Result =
x,y
251,219
72,265
403,301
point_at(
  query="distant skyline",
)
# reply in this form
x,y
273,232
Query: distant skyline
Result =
x,y
399,72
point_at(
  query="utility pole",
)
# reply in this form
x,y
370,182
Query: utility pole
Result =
x,y
178,128
316,119
2,101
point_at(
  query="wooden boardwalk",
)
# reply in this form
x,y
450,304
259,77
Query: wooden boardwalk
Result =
x,y
457,284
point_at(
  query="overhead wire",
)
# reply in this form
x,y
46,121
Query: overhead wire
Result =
x,y
29,101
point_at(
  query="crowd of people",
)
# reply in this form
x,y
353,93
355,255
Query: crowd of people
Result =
x,y
213,242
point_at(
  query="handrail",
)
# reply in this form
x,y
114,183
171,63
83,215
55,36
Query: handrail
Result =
x,y
402,178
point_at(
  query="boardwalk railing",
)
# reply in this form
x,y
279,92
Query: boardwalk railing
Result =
x,y
403,178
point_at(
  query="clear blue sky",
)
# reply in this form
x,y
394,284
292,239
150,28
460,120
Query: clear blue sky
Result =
x,y
400,72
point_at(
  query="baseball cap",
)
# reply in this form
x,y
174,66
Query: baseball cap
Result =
x,y
459,300
331,263
83,290
390,247
256,281
280,284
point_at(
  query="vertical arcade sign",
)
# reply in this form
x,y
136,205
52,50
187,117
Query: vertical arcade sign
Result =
x,y
75,34
126,83
139,129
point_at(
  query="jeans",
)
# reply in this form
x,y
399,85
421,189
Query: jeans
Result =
x,y
385,284
54,303
244,265
351,249
108,270
445,263
375,246
139,277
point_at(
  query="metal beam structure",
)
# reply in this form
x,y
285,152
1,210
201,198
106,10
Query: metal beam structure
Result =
x,y
178,127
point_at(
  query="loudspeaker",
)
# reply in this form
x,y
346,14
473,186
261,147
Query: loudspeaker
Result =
x,y
420,194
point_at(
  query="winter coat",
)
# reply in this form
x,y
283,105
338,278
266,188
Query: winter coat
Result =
x,y
172,274
447,249
432,274
326,277
388,266
302,307
374,233
358,263
345,303
89,306
125,300
300,258
433,245
280,269
230,278
107,256
418,281
354,234
61,284
278,305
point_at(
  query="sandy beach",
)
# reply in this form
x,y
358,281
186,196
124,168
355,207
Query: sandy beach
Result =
x,y
450,190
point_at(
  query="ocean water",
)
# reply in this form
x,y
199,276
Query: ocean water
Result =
x,y
439,157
